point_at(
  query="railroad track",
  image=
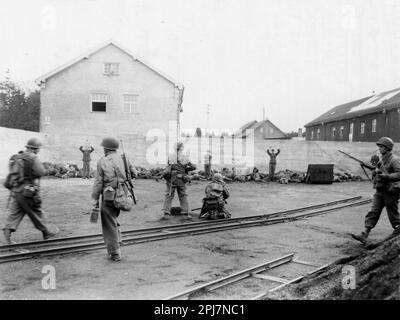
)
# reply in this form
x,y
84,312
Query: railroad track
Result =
x,y
256,272
27,250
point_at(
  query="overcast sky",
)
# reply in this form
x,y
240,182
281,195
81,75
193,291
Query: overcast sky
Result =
x,y
296,59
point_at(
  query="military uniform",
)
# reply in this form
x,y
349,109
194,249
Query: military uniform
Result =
x,y
176,177
272,163
86,161
110,170
383,198
214,202
387,171
207,164
25,198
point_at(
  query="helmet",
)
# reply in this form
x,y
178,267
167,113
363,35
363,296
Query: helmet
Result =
x,y
110,143
217,176
385,141
33,143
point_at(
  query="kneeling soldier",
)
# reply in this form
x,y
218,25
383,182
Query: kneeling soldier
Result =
x,y
214,202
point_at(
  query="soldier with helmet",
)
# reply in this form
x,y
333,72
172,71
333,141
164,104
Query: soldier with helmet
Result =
x,y
176,176
110,170
25,194
214,202
386,194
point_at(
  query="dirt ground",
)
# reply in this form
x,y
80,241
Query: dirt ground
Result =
x,y
156,270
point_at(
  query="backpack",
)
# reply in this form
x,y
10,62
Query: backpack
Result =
x,y
216,190
123,197
19,168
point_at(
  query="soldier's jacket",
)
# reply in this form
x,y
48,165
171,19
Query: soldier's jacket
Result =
x,y
225,193
180,163
86,153
106,175
389,164
37,170
273,156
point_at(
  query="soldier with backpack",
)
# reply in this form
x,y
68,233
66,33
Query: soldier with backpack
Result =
x,y
110,175
214,202
25,171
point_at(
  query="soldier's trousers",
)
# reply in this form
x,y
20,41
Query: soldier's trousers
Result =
x,y
272,167
110,227
86,169
169,196
380,200
31,206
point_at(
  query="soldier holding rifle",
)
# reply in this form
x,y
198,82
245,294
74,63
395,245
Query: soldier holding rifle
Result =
x,y
110,170
176,176
386,178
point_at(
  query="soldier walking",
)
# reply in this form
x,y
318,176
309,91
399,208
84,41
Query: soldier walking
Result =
x,y
386,195
176,177
110,170
25,192
272,162
86,151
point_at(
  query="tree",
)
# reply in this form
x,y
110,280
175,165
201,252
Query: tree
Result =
x,y
17,110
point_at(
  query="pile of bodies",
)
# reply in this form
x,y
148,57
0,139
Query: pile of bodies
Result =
x,y
230,174
65,171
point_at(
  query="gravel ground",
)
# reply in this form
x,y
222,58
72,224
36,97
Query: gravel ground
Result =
x,y
160,269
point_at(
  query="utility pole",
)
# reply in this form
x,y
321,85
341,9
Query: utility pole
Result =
x,y
208,119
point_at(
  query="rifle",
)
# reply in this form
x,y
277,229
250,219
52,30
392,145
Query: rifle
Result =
x,y
362,164
128,176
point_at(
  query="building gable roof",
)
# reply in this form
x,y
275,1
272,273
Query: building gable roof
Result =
x,y
100,47
254,125
371,104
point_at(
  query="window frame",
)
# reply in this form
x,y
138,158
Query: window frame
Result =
x,y
95,100
131,103
362,127
110,73
374,122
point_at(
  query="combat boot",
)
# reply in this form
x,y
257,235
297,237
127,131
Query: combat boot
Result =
x,y
7,235
361,237
115,257
48,234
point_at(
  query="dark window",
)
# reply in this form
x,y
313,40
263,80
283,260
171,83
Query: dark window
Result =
x,y
99,102
99,106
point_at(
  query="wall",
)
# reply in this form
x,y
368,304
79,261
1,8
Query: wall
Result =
x,y
66,97
295,154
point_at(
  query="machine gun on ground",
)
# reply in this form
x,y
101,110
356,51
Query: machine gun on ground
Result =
x,y
363,165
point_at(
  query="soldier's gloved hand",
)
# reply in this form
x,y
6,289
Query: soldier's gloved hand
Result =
x,y
383,176
96,204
